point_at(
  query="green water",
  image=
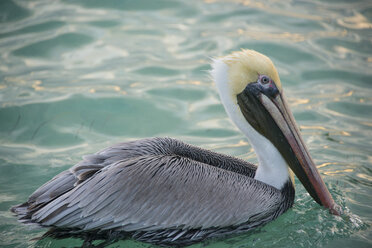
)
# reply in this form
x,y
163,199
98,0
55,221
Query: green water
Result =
x,y
77,76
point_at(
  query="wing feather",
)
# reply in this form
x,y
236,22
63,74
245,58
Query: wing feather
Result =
x,y
150,185
157,192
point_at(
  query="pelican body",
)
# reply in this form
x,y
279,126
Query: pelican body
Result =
x,y
166,192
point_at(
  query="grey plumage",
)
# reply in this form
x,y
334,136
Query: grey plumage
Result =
x,y
158,190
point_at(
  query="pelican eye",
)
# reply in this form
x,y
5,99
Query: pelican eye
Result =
x,y
267,86
265,80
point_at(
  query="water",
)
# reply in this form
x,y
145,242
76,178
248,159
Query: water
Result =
x,y
77,76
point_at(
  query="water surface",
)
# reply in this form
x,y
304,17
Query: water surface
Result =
x,y
76,76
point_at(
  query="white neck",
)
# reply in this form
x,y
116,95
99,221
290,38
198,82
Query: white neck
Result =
x,y
272,168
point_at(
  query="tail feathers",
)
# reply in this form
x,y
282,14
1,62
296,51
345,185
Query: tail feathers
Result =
x,y
21,210
24,213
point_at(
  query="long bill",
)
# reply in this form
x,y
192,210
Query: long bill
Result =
x,y
274,120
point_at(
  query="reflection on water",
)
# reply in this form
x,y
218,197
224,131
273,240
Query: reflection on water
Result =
x,y
77,76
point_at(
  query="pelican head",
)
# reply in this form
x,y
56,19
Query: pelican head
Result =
x,y
251,92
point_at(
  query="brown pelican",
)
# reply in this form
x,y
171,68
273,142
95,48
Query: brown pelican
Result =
x,y
166,192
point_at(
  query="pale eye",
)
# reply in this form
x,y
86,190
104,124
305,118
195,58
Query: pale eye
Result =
x,y
265,80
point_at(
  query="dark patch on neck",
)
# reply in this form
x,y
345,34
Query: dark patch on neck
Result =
x,y
288,193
